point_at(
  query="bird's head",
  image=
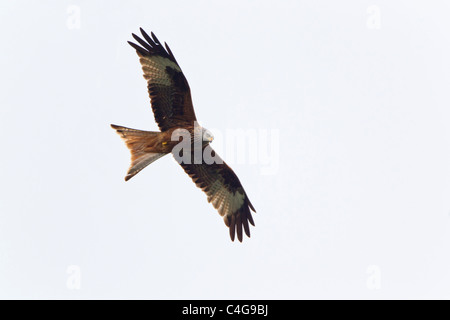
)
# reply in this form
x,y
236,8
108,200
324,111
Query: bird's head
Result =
x,y
207,136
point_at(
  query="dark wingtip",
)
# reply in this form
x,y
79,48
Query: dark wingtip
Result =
x,y
250,204
148,39
136,37
250,218
239,222
144,33
232,226
138,48
155,38
151,46
246,227
170,52
239,226
167,48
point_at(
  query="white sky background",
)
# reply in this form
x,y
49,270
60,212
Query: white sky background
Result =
x,y
358,208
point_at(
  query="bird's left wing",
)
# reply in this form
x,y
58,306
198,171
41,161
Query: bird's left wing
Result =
x,y
167,86
225,192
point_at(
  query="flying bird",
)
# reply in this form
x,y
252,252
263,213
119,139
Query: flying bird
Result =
x,y
172,107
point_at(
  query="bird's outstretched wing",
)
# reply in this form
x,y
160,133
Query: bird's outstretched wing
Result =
x,y
167,86
225,192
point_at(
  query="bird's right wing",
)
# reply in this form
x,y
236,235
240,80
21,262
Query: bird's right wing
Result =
x,y
225,192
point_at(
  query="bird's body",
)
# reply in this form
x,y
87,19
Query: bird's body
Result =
x,y
182,136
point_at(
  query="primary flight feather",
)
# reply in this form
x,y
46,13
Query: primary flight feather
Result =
x,y
172,107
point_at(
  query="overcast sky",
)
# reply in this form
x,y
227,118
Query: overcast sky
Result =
x,y
342,111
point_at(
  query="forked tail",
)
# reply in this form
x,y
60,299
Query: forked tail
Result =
x,y
143,148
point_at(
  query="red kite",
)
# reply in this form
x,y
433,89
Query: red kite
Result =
x,y
173,110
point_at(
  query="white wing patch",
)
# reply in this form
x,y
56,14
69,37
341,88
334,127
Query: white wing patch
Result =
x,y
223,200
154,68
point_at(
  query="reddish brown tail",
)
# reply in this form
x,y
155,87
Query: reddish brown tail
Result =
x,y
141,145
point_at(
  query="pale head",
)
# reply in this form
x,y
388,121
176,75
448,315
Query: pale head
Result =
x,y
207,135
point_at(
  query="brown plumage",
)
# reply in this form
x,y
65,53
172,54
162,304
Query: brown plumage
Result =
x,y
171,102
